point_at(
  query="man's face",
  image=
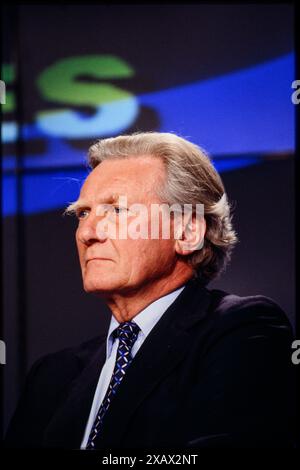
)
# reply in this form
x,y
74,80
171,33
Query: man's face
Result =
x,y
121,265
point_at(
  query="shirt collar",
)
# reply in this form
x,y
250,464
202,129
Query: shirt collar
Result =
x,y
147,318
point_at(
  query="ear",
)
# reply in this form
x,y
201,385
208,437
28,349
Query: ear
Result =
x,y
190,233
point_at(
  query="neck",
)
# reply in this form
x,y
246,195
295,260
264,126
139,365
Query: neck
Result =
x,y
126,307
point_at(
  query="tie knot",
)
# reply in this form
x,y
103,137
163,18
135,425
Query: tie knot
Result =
x,y
127,332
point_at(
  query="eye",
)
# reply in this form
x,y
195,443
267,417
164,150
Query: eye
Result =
x,y
119,209
81,213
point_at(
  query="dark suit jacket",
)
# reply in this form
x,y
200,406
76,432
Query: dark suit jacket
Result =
x,y
215,371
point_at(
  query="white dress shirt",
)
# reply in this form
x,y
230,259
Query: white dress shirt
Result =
x,y
146,320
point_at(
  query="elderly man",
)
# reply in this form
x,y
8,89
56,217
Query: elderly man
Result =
x,y
181,365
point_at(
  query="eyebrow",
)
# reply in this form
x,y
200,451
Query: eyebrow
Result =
x,y
74,207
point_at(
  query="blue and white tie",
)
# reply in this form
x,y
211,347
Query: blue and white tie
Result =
x,y
127,333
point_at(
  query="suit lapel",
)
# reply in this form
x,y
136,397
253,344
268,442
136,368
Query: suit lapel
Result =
x,y
161,351
68,424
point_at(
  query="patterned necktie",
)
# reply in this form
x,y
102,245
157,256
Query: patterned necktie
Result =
x,y
127,333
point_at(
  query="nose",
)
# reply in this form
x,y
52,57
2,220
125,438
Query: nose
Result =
x,y
88,232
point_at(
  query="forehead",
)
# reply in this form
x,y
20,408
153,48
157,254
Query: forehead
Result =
x,y
132,176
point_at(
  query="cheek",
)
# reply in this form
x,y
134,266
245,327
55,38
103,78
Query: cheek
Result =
x,y
166,252
80,250
153,255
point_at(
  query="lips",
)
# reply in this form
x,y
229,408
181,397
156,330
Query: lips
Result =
x,y
98,259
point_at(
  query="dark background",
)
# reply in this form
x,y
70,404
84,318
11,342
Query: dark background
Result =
x,y
45,308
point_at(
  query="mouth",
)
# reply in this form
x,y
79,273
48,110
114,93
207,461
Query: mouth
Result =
x,y
97,259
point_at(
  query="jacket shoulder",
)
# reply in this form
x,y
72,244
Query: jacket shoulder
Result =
x,y
55,371
230,310
64,365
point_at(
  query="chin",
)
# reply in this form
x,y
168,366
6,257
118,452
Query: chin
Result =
x,y
100,287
